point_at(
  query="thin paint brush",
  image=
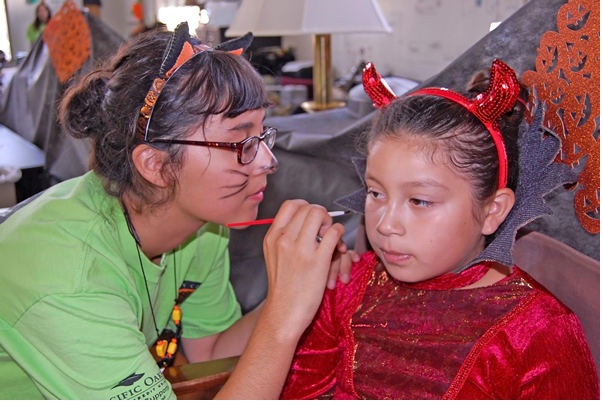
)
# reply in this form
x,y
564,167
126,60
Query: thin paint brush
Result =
x,y
271,220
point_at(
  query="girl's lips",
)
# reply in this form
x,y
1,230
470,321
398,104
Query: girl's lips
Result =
x,y
395,257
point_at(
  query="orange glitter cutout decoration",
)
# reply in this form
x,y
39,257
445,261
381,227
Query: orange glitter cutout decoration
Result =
x,y
67,37
567,81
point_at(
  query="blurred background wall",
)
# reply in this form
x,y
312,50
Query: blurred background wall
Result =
x,y
427,34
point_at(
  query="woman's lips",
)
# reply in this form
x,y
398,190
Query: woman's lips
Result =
x,y
258,196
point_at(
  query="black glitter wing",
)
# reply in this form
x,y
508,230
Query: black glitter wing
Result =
x,y
538,176
355,201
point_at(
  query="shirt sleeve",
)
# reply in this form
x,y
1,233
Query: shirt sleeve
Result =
x,y
31,33
87,346
213,307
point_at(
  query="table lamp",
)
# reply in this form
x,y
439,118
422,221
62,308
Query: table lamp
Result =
x,y
321,18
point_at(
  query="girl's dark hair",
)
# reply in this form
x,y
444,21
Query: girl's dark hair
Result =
x,y
445,125
104,106
37,21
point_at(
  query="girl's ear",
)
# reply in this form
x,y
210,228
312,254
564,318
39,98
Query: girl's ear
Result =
x,y
149,163
497,210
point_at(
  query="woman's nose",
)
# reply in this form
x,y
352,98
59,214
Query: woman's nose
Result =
x,y
266,160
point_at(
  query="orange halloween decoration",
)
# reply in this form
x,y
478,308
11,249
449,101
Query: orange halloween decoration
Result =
x,y
567,80
137,10
67,37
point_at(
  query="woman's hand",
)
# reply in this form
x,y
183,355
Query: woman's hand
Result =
x,y
298,265
341,264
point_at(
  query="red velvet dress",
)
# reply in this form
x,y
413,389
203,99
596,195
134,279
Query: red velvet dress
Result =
x,y
379,338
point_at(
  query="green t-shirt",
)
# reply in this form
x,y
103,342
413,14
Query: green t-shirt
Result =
x,y
33,33
75,320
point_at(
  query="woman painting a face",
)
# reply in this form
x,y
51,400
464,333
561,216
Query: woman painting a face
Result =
x,y
221,190
222,165
133,254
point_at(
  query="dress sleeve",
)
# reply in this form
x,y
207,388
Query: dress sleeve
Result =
x,y
86,345
319,351
313,369
541,354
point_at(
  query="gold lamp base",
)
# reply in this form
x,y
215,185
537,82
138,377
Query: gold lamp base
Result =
x,y
322,80
314,106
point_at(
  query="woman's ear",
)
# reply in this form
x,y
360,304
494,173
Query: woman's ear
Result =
x,y
497,210
149,163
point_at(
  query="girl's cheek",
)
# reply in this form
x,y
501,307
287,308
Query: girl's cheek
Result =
x,y
370,211
373,212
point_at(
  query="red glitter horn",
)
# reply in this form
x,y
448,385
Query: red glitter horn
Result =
x,y
489,106
376,88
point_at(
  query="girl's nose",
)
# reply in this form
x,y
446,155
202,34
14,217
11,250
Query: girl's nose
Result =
x,y
390,222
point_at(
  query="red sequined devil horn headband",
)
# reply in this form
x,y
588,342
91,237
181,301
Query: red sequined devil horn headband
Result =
x,y
488,107
178,52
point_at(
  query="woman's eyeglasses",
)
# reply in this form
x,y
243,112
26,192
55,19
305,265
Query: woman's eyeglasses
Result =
x,y
247,149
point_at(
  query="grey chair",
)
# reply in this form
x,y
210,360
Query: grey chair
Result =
x,y
570,275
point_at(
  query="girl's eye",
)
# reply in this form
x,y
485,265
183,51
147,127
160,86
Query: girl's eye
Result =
x,y
420,203
374,194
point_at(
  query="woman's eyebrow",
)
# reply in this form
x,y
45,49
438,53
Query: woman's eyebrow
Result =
x,y
244,125
241,126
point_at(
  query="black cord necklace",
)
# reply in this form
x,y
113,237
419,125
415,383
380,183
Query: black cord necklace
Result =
x,y
165,351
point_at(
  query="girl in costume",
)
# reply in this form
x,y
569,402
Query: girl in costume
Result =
x,y
99,268
437,310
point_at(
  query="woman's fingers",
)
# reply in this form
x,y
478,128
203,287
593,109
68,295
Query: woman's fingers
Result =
x,y
336,264
297,265
296,219
341,246
341,266
316,219
330,239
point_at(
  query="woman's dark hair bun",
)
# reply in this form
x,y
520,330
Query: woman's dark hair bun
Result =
x,y
80,111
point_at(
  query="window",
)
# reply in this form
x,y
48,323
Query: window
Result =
x,y
4,40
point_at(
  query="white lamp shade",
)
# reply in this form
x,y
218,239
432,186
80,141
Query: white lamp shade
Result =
x,y
220,13
298,17
172,16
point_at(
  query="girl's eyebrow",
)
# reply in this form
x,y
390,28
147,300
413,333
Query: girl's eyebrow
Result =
x,y
369,177
430,183
424,183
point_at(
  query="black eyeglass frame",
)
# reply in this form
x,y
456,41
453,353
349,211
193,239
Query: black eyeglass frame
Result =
x,y
268,136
